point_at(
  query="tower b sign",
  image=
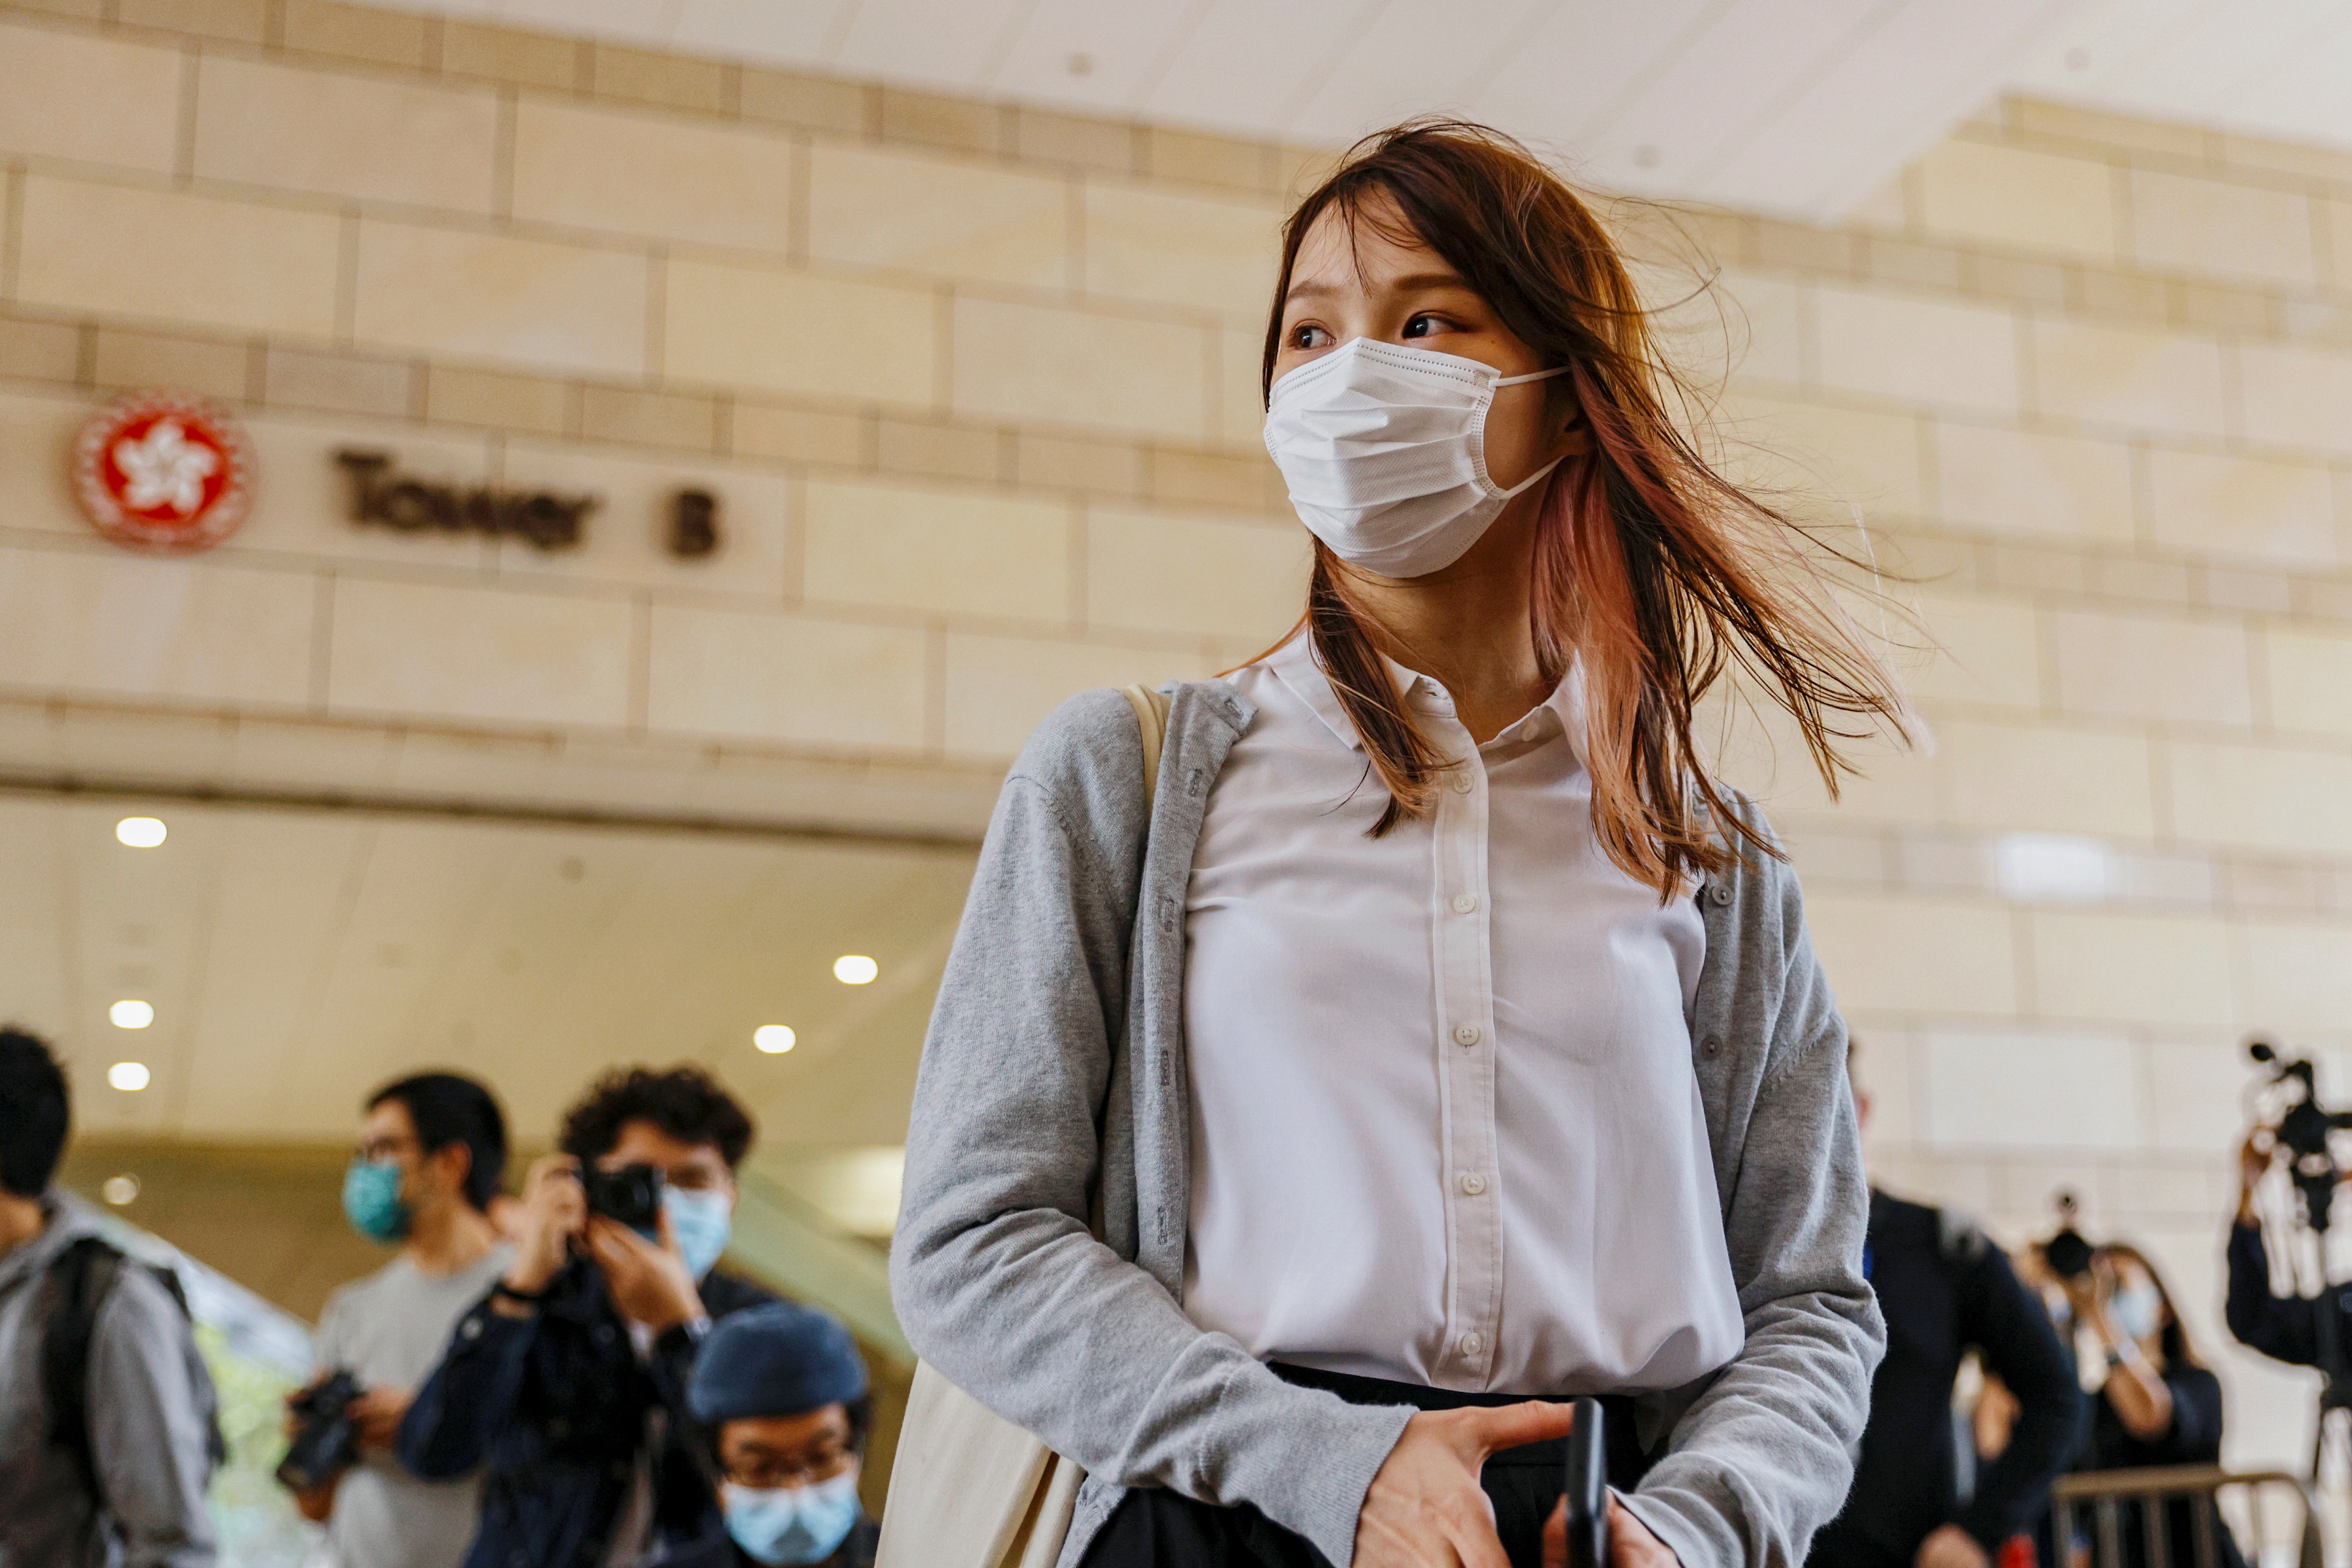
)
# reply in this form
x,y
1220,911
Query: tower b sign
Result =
x,y
163,473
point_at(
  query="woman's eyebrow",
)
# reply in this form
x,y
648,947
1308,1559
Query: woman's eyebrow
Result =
x,y
1413,282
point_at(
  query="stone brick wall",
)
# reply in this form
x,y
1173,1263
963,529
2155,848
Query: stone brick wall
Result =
x,y
977,386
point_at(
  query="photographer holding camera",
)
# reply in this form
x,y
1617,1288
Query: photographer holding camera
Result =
x,y
566,1384
2284,1328
431,1155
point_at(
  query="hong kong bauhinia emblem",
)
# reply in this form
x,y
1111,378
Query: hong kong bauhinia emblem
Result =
x,y
164,473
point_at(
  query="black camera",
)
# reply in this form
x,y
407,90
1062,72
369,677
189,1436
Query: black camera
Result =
x,y
2068,1252
630,1194
326,1439
2303,1128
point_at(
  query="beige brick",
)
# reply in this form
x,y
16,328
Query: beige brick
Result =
x,y
1826,251
1197,251
1042,135
2085,1098
1814,450
2015,483
2183,222
2337,218
81,10
40,351
596,167
2128,376
1744,325
504,53
2008,277
2108,130
2168,969
998,688
1905,263
1895,955
800,434
2038,567
1240,392
914,213
672,81
491,295
300,127
292,378
813,104
2012,198
960,552
2283,799
1999,778
1080,368
794,331
120,626
1919,351
206,366
1207,478
1988,652
2296,396
941,451
36,489
488,398
2243,507
2208,305
2148,667
2329,163
1206,160
494,655
2121,294
186,258
1154,572
1050,462
357,32
238,21
2265,593
2294,975
2136,577
936,122
65,95
782,678
2308,674
648,418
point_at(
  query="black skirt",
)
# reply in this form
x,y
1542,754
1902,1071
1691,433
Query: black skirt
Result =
x,y
1154,1528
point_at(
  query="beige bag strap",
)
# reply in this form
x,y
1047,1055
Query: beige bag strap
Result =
x,y
1151,719
968,1488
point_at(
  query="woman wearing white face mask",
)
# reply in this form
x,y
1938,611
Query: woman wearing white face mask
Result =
x,y
1438,1037
2160,1404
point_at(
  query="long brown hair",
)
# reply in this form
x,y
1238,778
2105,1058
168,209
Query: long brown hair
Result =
x,y
1652,573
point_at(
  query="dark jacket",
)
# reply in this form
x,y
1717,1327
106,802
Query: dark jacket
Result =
x,y
719,1551
2284,1328
1946,1289
553,1410
2194,1437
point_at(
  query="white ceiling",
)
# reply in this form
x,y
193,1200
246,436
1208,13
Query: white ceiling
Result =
x,y
1803,107
297,959
2279,68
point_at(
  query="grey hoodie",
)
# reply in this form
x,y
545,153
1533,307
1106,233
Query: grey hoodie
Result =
x,y
150,1418
1052,1091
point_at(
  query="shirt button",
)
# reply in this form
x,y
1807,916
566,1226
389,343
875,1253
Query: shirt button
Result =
x,y
1711,1045
1474,1184
1473,1343
1461,782
1719,895
1467,1034
1463,903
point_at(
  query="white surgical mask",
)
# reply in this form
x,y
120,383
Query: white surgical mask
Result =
x,y
1384,449
2135,1310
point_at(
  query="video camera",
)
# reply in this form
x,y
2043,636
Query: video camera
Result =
x,y
2302,1127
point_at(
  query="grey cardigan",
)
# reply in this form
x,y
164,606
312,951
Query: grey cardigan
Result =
x,y
1052,1092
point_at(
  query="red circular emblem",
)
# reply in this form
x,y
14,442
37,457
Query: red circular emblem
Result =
x,y
164,473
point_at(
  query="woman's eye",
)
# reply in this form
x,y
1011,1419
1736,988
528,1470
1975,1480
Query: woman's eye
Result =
x,y
1308,336
1421,326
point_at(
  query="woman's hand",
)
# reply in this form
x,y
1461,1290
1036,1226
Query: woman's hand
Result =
x,y
1425,1508
1630,1544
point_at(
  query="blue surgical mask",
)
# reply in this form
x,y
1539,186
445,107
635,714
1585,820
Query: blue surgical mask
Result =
x,y
792,1524
372,1200
2135,1311
701,1225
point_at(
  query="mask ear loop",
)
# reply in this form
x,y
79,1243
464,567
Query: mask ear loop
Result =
x,y
1535,375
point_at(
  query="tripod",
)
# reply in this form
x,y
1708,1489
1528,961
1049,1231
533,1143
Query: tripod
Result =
x,y
2302,1136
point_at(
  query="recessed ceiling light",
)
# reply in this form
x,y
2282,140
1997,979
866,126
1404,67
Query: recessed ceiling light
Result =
x,y
120,1190
128,1077
141,832
774,1039
131,1014
855,969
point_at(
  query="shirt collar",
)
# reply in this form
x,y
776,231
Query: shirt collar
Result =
x,y
1296,665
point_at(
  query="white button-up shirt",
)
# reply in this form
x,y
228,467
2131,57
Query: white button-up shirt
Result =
x,y
1445,1124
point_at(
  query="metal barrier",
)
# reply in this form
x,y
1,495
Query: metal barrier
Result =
x,y
2153,1497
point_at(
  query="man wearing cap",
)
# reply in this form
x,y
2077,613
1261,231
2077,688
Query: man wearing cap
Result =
x,y
780,1393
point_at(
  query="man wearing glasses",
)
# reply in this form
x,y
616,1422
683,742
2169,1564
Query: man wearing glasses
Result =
x,y
780,1393
431,1155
